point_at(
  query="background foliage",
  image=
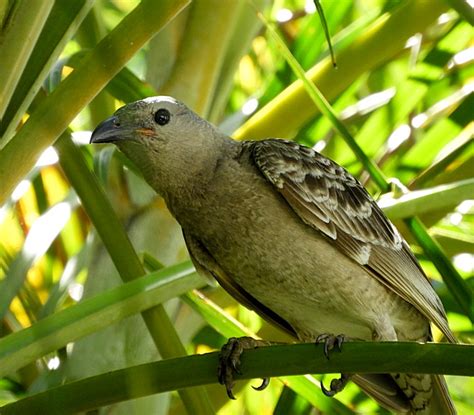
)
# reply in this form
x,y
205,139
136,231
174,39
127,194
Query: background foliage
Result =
x,y
71,284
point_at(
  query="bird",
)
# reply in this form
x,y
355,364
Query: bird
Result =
x,y
291,235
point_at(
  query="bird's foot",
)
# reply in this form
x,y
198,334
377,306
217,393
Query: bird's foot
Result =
x,y
229,362
336,386
332,342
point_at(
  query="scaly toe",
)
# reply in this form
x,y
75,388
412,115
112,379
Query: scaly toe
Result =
x,y
330,342
229,362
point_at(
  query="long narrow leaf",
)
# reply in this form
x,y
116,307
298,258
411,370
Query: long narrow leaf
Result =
x,y
323,105
60,26
463,142
296,359
40,237
458,287
383,39
55,113
93,314
422,201
18,39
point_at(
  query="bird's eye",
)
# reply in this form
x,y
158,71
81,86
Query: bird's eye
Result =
x,y
162,116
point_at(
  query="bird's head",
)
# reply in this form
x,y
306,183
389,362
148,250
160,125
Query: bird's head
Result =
x,y
168,142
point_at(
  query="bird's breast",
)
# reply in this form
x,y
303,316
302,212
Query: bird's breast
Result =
x,y
259,241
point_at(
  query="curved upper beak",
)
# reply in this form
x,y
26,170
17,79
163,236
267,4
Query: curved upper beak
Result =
x,y
107,131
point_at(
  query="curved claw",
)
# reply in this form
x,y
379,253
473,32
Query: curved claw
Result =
x,y
329,393
230,394
265,383
337,385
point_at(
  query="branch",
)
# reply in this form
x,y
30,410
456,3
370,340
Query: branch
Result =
x,y
278,360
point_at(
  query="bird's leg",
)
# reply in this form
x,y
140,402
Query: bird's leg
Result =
x,y
330,343
229,361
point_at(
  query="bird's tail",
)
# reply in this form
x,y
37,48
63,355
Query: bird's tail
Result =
x,y
407,393
441,402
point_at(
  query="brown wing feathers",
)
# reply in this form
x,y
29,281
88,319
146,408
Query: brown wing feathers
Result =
x,y
330,200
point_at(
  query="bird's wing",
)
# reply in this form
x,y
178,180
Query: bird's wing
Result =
x,y
207,265
329,199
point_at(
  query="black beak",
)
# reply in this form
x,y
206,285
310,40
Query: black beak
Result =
x,y
107,131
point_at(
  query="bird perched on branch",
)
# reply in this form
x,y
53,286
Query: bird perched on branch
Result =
x,y
290,234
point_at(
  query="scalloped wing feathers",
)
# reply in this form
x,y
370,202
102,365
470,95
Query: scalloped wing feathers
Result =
x,y
330,200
